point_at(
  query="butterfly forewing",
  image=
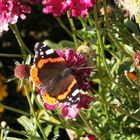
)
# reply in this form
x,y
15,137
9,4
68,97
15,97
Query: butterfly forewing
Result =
x,y
42,51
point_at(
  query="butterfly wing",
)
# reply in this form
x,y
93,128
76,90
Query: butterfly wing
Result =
x,y
51,75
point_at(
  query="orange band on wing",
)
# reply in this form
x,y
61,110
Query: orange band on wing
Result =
x,y
63,96
48,99
52,60
34,75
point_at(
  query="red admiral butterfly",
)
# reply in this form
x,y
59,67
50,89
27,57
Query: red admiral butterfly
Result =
x,y
53,78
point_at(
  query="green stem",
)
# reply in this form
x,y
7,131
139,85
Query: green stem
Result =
x,y
64,27
101,45
14,110
102,54
21,133
1,134
22,45
83,23
91,22
33,112
72,28
89,126
11,55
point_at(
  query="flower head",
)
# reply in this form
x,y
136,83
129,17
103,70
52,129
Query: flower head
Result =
x,y
22,71
84,101
80,7
108,8
78,63
131,6
10,11
72,59
50,106
69,112
58,7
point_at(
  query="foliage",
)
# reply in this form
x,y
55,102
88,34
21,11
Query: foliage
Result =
x,y
109,41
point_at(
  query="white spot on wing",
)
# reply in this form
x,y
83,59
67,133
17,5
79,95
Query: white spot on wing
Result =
x,y
49,51
75,92
70,99
41,53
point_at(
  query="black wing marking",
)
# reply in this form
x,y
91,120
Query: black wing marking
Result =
x,y
42,51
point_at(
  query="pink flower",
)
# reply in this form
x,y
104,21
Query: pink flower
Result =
x,y
137,59
20,9
80,7
10,11
50,106
77,62
69,112
84,101
58,7
72,59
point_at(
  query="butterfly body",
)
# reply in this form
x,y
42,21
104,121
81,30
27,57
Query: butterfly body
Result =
x,y
54,79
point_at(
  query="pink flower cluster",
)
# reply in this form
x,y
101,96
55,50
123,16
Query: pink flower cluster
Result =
x,y
58,7
10,11
78,63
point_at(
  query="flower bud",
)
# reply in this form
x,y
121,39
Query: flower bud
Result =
x,y
108,8
22,71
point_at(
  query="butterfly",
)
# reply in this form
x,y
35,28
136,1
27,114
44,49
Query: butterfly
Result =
x,y
53,78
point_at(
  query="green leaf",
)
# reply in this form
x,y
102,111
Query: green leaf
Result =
x,y
132,26
48,130
56,133
129,50
66,44
28,125
50,44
